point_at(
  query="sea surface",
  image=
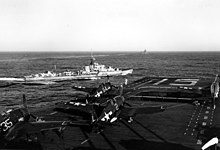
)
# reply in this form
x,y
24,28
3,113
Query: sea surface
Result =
x,y
19,64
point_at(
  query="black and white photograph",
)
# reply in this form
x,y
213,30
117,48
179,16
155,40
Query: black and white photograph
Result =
x,y
109,74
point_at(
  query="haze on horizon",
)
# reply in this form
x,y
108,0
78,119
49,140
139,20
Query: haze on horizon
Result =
x,y
109,25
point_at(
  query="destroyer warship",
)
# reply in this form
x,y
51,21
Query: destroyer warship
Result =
x,y
102,71
93,71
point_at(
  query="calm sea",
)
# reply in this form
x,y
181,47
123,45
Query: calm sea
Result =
x,y
178,64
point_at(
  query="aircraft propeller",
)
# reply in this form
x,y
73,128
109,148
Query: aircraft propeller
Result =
x,y
24,101
121,90
26,107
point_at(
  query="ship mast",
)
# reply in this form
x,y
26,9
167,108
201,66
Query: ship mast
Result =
x,y
55,68
92,59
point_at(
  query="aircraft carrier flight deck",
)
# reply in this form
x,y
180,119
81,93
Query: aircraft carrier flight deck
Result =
x,y
187,123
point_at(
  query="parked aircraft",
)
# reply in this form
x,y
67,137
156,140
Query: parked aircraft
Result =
x,y
106,113
96,92
17,122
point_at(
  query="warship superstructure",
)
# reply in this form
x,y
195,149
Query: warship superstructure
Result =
x,y
94,68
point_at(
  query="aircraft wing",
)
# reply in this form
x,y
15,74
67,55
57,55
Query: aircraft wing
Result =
x,y
83,111
24,128
132,111
73,109
34,127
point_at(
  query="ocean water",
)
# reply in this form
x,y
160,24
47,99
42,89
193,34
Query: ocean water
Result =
x,y
173,64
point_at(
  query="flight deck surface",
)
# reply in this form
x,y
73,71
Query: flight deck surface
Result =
x,y
169,89
183,125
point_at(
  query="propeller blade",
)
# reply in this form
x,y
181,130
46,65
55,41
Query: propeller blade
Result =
x,y
59,133
24,101
108,79
33,116
126,103
121,90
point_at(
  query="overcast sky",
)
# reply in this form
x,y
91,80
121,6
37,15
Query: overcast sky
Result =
x,y
117,25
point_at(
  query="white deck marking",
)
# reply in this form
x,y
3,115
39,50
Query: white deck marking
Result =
x,y
159,82
176,106
204,124
206,112
84,141
201,114
199,142
53,113
184,82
